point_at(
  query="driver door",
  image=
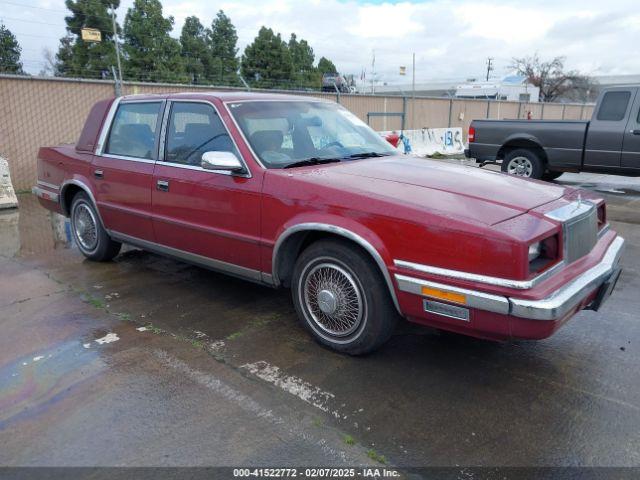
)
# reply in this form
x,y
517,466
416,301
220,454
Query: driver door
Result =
x,y
209,217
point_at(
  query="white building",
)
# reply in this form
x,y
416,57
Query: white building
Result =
x,y
513,88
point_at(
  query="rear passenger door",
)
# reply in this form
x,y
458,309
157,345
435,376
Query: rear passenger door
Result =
x,y
603,147
631,144
208,217
123,169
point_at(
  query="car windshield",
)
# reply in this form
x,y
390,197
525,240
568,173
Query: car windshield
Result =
x,y
296,133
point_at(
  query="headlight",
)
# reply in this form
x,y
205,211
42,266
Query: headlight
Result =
x,y
543,253
534,251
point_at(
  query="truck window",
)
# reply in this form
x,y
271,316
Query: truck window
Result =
x,y
133,131
613,106
193,129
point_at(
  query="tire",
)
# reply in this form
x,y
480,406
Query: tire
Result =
x,y
523,163
345,272
549,175
88,233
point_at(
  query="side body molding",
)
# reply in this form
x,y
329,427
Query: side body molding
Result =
x,y
343,232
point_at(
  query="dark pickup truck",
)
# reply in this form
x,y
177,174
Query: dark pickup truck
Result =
x,y
608,143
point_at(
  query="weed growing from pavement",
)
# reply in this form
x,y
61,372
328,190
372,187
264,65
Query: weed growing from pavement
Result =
x,y
95,302
349,440
373,455
156,330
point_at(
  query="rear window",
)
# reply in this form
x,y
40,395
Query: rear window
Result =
x,y
133,132
614,106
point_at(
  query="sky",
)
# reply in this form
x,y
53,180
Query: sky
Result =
x,y
451,39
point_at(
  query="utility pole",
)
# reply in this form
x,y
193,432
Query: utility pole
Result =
x,y
489,66
115,41
413,93
373,73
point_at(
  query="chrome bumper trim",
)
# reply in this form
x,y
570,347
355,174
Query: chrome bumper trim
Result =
x,y
474,277
475,299
553,307
45,194
564,300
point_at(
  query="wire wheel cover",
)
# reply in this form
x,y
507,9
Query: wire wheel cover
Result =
x,y
333,299
85,227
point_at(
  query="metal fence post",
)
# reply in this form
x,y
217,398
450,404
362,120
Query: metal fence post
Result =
x,y
564,107
542,112
519,109
117,86
404,112
450,111
582,112
488,108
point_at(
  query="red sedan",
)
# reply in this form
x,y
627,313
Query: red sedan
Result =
x,y
297,192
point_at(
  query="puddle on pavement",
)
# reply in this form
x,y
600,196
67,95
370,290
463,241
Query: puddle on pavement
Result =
x,y
31,230
32,384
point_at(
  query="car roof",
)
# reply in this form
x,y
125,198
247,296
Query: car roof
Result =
x,y
226,96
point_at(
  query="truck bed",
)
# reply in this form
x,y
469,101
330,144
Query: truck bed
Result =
x,y
562,140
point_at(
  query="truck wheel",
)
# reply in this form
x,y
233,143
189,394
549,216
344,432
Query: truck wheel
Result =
x,y
341,297
523,163
549,175
89,234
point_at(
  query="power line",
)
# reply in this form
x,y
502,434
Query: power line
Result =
x,y
32,6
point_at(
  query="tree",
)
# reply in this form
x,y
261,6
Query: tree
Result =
x,y
77,58
64,57
302,57
550,77
223,46
326,66
10,51
150,52
267,62
195,51
49,63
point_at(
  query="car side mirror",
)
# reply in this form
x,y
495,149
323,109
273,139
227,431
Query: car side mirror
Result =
x,y
226,161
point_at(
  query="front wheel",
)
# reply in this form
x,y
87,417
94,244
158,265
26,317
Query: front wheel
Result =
x,y
341,297
523,163
89,234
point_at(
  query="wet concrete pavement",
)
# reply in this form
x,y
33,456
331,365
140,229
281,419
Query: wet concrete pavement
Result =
x,y
223,374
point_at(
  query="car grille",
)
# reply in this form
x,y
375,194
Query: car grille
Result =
x,y
580,228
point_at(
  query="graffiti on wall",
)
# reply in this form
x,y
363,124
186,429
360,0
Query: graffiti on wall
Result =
x,y
428,141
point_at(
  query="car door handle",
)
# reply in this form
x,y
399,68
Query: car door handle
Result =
x,y
98,173
635,132
162,185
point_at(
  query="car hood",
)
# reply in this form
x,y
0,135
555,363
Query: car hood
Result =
x,y
454,190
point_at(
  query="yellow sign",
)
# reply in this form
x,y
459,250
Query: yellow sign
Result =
x,y
403,70
91,35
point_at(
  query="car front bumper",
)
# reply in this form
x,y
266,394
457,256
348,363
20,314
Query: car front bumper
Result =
x,y
596,282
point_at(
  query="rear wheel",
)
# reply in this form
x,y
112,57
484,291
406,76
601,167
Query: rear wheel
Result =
x,y
89,234
523,163
341,297
549,175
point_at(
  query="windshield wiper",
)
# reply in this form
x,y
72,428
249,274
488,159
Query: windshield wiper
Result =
x,y
311,161
367,155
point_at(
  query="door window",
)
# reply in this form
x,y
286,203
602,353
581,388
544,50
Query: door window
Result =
x,y
193,129
614,106
133,132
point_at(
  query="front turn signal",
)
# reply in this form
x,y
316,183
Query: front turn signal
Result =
x,y
444,295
